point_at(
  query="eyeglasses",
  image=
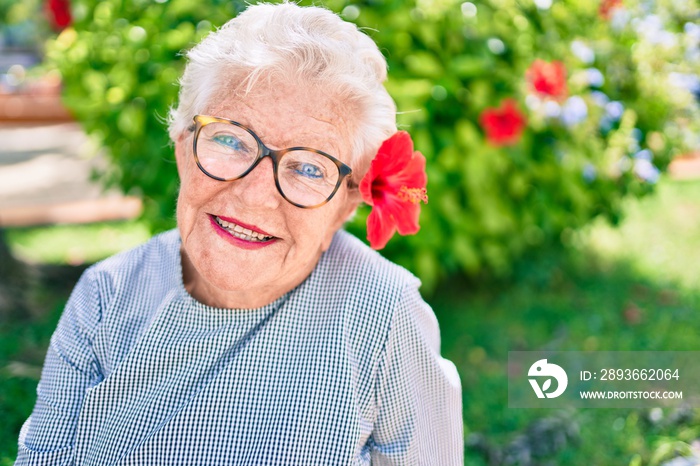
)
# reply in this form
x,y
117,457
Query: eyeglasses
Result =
x,y
226,150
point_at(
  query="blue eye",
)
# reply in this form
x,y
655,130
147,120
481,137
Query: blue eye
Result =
x,y
309,170
229,141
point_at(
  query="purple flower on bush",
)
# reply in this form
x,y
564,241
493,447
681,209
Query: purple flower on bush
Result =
x,y
552,109
589,172
583,52
600,98
686,81
646,170
644,155
651,27
614,110
574,111
595,77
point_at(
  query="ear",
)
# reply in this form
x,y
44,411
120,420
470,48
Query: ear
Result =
x,y
352,201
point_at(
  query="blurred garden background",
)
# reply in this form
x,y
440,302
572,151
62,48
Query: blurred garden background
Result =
x,y
563,148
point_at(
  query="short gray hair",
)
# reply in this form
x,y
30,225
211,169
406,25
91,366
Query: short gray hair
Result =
x,y
310,44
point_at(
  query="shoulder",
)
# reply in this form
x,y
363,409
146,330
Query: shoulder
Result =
x,y
369,286
158,248
350,261
142,273
160,254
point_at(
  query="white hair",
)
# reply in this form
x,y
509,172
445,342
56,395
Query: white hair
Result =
x,y
306,44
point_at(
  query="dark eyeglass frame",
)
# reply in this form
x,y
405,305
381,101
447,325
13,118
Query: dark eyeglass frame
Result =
x,y
201,121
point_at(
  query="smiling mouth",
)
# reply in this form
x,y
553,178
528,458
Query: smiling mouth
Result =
x,y
243,233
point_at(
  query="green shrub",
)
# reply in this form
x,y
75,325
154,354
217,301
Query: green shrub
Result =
x,y
449,62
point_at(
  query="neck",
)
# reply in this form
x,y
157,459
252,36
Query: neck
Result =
x,y
211,295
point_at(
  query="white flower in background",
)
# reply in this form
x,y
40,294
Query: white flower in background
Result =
x,y
574,111
692,42
600,98
496,46
644,155
543,4
692,30
645,170
614,110
651,28
620,18
589,172
692,54
648,24
689,82
595,77
468,9
533,102
583,52
552,109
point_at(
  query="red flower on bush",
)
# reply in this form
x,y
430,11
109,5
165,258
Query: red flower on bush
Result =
x,y
394,186
503,125
605,10
59,13
548,78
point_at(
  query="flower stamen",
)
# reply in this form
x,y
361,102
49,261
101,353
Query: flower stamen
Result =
x,y
413,195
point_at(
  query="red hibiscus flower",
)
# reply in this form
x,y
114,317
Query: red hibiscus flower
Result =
x,y
503,125
59,13
394,186
606,8
548,78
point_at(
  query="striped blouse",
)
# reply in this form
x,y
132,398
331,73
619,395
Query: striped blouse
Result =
x,y
344,369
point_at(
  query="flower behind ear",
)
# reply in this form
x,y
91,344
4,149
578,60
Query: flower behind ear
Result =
x,y
394,186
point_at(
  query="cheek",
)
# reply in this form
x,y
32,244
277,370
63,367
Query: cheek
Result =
x,y
192,198
196,187
186,201
312,230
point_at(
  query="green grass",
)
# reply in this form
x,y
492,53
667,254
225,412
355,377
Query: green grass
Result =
x,y
575,310
75,244
632,287
22,349
659,238
625,288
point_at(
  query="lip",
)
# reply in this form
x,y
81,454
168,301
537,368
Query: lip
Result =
x,y
244,225
241,243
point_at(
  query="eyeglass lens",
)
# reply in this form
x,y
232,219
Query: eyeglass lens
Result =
x,y
227,151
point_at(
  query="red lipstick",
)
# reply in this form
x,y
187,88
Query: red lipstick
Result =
x,y
239,242
244,225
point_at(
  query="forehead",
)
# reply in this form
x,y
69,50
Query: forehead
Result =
x,y
286,115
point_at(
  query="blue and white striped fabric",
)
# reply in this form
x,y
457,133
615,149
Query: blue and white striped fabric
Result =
x,y
343,370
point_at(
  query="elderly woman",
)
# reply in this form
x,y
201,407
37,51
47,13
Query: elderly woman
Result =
x,y
259,332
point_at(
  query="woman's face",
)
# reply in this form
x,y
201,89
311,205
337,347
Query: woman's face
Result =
x,y
226,271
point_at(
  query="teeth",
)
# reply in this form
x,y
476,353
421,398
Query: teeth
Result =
x,y
242,233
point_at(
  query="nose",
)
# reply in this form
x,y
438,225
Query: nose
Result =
x,y
257,189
